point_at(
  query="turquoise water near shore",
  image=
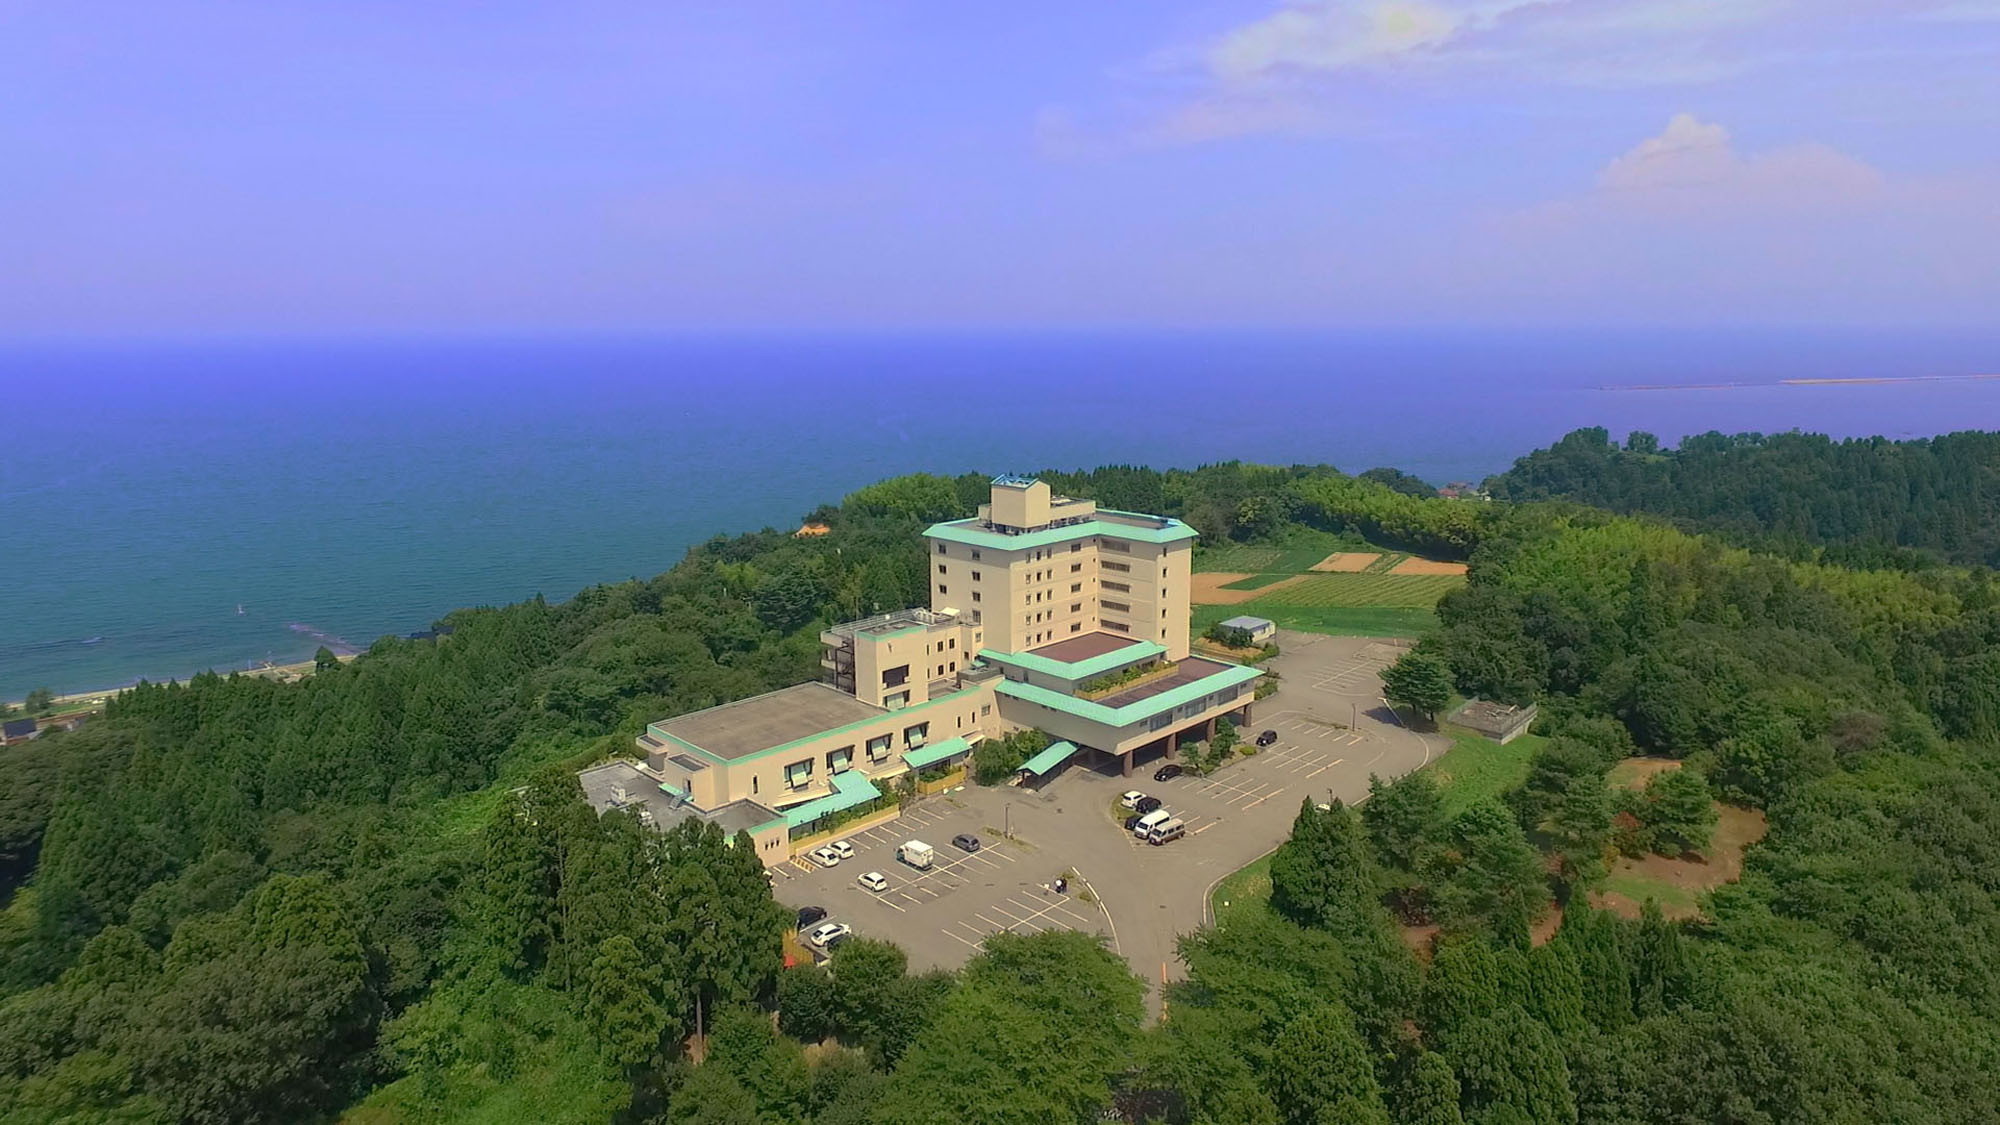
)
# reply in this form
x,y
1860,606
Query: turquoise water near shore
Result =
x,y
178,507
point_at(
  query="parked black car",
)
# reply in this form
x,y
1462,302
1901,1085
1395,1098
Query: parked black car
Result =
x,y
835,942
810,914
1267,738
1146,805
1167,772
1132,820
965,842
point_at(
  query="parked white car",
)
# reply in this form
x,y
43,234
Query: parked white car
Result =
x,y
841,848
874,881
827,932
825,857
1131,799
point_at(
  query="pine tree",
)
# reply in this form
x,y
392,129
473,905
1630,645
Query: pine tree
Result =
x,y
1678,812
1661,978
1324,876
1429,1093
1419,681
1320,1072
623,1002
1595,939
1509,1059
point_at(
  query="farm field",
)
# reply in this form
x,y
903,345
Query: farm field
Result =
x,y
1334,590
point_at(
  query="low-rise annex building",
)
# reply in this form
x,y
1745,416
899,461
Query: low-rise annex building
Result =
x,y
1045,612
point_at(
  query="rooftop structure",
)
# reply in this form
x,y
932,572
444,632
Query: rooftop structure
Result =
x,y
1497,721
763,722
623,785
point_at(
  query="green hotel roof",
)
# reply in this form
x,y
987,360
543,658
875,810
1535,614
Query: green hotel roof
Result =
x,y
935,752
1133,712
849,789
971,534
1082,669
1049,759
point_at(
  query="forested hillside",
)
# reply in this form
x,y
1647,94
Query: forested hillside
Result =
x,y
1938,495
237,900
377,894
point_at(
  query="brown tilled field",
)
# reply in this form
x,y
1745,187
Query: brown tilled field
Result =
x,y
1426,566
1346,562
1208,588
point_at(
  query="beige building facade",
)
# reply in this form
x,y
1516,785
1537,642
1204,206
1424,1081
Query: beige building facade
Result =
x,y
1045,611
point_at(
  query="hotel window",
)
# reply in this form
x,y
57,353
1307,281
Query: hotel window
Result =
x,y
951,642
1122,548
975,576
899,699
1075,567
1116,607
1120,626
1076,587
839,760
1076,627
975,597
940,548
878,747
975,555
1076,607
798,775
1075,547
1117,566
914,736
941,588
940,568
897,676
985,709
753,785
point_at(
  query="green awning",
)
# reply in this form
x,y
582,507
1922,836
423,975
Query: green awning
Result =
x,y
936,752
1049,759
849,789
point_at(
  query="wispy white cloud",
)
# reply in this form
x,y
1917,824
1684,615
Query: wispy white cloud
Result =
x,y
1695,165
1279,71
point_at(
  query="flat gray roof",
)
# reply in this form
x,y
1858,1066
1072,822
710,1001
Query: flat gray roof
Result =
x,y
747,726
642,791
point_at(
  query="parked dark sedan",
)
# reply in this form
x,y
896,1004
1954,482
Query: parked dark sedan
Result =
x,y
1167,772
1147,804
1132,820
965,842
810,914
1267,738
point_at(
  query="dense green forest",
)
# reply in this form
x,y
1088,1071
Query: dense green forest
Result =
x,y
1862,497
377,893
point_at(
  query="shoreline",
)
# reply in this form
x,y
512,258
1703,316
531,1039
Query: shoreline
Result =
x,y
76,702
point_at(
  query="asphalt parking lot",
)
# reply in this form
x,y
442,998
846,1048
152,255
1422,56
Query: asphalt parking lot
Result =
x,y
1333,732
941,914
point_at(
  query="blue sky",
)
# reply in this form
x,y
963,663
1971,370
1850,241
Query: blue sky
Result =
x,y
442,165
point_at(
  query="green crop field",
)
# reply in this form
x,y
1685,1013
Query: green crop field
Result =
x,y
1241,559
1256,582
1414,591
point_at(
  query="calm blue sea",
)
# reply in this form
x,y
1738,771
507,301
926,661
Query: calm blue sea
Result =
x,y
175,507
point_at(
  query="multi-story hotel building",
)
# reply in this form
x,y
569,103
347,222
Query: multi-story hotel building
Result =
x,y
1045,612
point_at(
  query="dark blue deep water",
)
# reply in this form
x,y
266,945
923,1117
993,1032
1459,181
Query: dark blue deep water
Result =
x,y
339,490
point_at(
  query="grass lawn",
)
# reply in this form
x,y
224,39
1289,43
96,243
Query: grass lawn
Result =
x,y
1246,891
1475,768
1673,899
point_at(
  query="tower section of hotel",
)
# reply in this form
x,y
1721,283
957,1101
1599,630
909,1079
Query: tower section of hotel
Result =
x,y
1033,568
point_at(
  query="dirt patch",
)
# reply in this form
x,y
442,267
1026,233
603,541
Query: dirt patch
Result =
x,y
1682,880
1209,588
1346,562
1634,773
1426,566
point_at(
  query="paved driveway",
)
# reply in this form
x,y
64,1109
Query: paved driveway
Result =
x,y
1333,732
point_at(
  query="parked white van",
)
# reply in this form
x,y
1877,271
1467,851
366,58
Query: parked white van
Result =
x,y
1172,828
1145,826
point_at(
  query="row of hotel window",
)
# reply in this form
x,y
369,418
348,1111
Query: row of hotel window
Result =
x,y
799,774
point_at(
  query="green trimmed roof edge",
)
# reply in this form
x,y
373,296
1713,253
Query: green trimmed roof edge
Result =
x,y
1138,711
